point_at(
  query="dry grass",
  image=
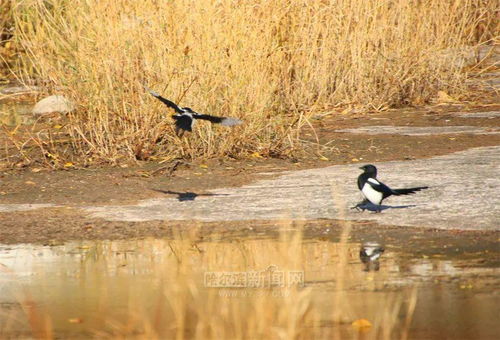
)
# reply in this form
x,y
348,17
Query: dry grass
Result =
x,y
6,31
270,63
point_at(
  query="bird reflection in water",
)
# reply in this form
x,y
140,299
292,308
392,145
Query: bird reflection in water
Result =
x,y
369,254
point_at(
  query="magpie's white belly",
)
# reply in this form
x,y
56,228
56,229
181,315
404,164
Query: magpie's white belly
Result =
x,y
371,194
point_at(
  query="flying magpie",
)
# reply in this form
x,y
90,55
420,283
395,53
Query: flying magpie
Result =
x,y
375,191
185,116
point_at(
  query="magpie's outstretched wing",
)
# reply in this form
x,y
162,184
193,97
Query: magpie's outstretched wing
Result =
x,y
164,100
380,187
227,121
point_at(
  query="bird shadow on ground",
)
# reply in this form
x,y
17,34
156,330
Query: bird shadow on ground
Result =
x,y
377,208
185,196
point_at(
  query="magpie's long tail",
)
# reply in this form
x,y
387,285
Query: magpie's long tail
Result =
x,y
407,191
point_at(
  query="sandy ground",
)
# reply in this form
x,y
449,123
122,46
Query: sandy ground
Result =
x,y
70,191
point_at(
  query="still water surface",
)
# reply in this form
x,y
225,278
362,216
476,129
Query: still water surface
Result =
x,y
90,286
14,114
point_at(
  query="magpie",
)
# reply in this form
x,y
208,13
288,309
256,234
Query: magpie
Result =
x,y
369,254
185,116
375,191
370,251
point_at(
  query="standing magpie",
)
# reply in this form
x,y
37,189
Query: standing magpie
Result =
x,y
185,116
375,191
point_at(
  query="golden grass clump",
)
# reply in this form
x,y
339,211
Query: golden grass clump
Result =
x,y
270,63
7,52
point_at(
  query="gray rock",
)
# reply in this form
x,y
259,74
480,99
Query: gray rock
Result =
x,y
24,207
20,89
490,54
488,114
420,130
488,80
55,103
469,56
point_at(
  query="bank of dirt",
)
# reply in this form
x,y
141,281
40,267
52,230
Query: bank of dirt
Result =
x,y
127,185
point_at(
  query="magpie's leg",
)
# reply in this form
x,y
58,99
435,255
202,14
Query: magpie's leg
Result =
x,y
357,207
179,132
360,205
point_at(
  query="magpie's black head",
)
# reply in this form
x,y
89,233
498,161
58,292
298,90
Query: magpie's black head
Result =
x,y
369,169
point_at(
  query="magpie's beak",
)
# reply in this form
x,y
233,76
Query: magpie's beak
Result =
x,y
362,168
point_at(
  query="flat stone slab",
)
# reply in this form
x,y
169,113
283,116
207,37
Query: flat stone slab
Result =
x,y
24,207
488,114
419,131
19,89
463,194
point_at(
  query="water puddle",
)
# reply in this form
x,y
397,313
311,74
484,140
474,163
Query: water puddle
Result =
x,y
14,114
111,288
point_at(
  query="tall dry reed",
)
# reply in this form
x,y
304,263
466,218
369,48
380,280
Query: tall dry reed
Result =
x,y
270,63
6,31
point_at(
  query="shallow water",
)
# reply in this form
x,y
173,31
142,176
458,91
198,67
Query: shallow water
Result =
x,y
83,287
14,114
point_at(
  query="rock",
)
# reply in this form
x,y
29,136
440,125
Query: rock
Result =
x,y
490,54
420,130
487,114
468,56
55,103
458,57
20,89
